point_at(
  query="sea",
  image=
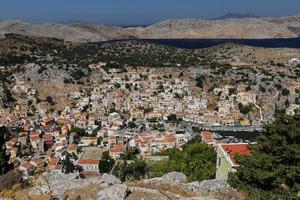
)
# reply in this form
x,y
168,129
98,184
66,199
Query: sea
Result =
x,y
204,43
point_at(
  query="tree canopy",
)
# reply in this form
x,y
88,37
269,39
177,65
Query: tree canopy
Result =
x,y
273,170
106,163
134,170
196,160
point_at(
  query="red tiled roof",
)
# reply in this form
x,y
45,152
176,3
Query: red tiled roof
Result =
x,y
58,167
36,160
233,149
88,162
53,161
118,148
89,173
26,165
48,137
207,136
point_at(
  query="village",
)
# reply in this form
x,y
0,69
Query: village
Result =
x,y
140,109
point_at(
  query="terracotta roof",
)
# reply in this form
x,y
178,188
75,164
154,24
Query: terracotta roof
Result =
x,y
36,160
233,149
53,161
89,173
88,162
58,167
48,137
72,147
34,137
118,148
26,165
207,136
88,138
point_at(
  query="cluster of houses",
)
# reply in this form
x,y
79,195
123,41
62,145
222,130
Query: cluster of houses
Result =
x,y
99,120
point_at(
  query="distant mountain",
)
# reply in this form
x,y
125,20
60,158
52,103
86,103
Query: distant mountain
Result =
x,y
245,28
230,27
72,33
235,16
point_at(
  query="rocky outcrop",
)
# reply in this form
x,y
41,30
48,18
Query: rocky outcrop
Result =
x,y
110,179
115,192
208,185
108,187
174,176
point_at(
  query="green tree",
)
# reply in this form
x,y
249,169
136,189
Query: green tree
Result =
x,y
130,154
68,165
245,109
79,131
106,163
131,124
99,140
285,92
4,165
133,170
273,170
49,99
196,160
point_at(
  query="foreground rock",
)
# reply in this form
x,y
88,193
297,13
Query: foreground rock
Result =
x,y
115,192
110,179
208,185
174,176
172,185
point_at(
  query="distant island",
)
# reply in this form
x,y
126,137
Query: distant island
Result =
x,y
236,16
230,26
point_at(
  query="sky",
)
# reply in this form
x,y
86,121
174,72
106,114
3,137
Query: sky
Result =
x,y
138,12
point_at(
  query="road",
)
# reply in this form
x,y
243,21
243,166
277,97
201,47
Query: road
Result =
x,y
225,128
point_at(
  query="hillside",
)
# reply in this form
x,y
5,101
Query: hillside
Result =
x,y
72,33
263,71
230,26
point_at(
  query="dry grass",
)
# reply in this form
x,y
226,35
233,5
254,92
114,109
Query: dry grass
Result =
x,y
93,153
59,93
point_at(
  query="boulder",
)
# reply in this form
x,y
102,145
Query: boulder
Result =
x,y
110,179
115,192
213,185
193,186
174,177
208,185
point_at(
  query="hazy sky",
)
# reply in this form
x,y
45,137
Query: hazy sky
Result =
x,y
128,12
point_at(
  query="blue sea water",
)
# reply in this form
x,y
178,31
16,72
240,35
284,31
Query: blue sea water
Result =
x,y
203,43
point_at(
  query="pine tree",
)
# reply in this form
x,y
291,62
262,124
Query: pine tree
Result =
x,y
273,170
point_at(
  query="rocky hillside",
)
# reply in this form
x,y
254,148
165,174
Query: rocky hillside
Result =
x,y
171,186
240,28
72,33
228,28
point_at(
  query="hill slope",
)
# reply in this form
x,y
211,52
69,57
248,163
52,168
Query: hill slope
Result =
x,y
236,28
228,28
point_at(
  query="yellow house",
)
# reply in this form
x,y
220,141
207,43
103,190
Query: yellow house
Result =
x,y
245,122
225,158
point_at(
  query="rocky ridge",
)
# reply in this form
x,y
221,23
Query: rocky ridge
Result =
x,y
173,185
